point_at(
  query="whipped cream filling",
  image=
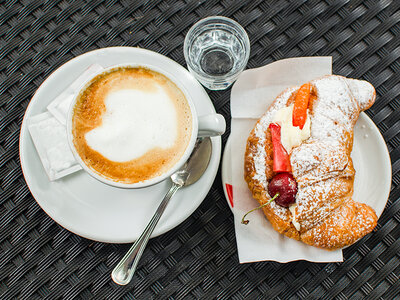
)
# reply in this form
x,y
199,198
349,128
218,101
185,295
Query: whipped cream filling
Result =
x,y
292,209
291,136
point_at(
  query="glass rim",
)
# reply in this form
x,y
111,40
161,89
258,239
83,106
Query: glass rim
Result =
x,y
217,20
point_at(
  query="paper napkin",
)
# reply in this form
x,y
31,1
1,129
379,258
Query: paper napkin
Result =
x,y
251,96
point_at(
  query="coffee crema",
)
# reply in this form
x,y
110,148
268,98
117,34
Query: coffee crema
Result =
x,y
131,124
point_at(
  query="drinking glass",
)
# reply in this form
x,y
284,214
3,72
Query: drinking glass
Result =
x,y
216,50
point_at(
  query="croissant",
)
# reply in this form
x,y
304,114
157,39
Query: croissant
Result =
x,y
325,211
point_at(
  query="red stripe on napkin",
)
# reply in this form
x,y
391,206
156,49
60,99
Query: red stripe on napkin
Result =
x,y
229,192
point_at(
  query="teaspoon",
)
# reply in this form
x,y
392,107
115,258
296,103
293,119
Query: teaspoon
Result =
x,y
191,171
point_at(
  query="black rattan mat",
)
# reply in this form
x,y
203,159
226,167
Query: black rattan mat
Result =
x,y
198,259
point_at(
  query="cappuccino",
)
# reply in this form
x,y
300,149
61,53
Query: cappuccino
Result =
x,y
131,124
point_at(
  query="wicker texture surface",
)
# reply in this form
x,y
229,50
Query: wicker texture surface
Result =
x,y
198,259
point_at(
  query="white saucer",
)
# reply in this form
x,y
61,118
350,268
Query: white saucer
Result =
x,y
371,161
95,210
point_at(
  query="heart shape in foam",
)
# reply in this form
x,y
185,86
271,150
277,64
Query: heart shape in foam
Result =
x,y
135,122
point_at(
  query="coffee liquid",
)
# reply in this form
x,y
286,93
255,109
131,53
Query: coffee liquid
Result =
x,y
131,124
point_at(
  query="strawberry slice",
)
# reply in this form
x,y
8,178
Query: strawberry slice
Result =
x,y
281,157
300,105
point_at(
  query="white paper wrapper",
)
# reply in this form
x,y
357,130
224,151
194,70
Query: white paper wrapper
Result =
x,y
50,139
251,96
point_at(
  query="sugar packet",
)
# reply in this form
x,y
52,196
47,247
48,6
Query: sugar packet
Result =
x,y
49,133
50,139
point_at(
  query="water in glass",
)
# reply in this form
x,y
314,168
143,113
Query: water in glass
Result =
x,y
216,52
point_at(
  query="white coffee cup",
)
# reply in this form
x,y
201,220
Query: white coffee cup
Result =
x,y
202,126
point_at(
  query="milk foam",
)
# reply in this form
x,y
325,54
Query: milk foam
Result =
x,y
135,122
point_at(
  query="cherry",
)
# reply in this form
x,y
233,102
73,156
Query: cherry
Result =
x,y
284,184
282,188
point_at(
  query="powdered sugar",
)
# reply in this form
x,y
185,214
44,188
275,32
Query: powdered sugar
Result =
x,y
259,164
363,91
314,161
331,117
324,155
336,112
280,211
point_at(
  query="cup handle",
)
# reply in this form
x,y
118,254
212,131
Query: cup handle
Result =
x,y
211,125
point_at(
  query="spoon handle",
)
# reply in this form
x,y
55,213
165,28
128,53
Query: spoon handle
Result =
x,y
123,272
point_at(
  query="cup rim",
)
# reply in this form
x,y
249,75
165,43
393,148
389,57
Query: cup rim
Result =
x,y
151,181
217,20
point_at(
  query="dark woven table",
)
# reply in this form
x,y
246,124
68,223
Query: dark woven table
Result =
x,y
198,259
